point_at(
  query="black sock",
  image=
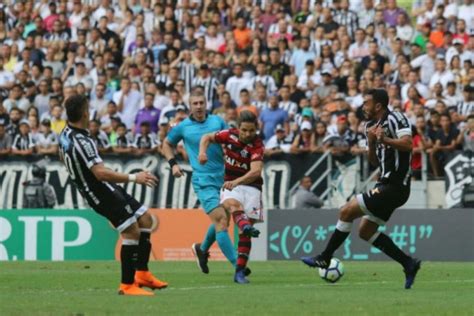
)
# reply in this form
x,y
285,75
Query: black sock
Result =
x,y
388,247
334,243
128,258
144,248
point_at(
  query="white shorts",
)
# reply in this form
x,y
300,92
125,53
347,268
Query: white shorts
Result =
x,y
249,197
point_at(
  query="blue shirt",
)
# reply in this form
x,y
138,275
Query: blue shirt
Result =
x,y
270,119
299,58
191,132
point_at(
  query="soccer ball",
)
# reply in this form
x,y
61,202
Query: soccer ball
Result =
x,y
334,272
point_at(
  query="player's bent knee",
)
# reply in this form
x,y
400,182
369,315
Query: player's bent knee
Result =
x,y
145,221
350,211
131,232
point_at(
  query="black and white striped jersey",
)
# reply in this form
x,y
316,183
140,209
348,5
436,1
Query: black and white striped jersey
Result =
x,y
465,108
23,142
79,153
187,72
394,164
145,141
210,88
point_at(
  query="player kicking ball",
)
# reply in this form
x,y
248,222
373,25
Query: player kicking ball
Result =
x,y
97,184
390,145
242,190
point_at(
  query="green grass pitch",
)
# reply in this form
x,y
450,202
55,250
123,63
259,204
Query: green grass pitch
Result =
x,y
277,288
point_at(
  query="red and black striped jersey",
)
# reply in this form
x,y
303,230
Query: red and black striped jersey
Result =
x,y
239,155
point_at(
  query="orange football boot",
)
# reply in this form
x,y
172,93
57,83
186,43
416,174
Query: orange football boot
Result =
x,y
133,289
146,278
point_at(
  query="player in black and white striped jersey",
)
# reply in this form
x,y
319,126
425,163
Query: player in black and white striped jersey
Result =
x,y
98,185
390,145
208,83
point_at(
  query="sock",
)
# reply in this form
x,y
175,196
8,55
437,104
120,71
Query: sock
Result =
x,y
144,248
223,240
209,239
241,219
244,246
343,229
128,258
388,247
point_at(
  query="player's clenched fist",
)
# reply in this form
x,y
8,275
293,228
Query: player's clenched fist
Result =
x,y
202,158
177,171
371,135
145,177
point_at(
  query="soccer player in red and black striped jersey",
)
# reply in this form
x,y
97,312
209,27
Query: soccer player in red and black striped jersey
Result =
x,y
241,193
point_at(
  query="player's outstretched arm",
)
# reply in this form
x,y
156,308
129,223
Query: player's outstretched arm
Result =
x,y
103,173
169,155
255,171
206,140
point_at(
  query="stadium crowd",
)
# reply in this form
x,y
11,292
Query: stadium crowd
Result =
x,y
301,65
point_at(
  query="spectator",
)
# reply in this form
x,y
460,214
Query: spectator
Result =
x,y
16,99
441,75
245,104
304,197
445,142
392,12
301,55
145,142
327,86
466,137
278,143
41,101
128,101
5,139
46,140
23,143
340,142
57,120
237,83
148,114
310,78
360,48
99,137
271,117
302,142
122,144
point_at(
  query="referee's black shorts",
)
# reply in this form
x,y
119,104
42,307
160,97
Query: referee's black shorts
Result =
x,y
121,209
379,203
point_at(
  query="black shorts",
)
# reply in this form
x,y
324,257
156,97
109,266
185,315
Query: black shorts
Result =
x,y
121,209
379,203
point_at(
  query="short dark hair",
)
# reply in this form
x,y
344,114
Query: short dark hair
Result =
x,y
76,105
247,117
379,96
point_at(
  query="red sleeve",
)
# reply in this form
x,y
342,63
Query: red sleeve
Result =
x,y
221,137
257,153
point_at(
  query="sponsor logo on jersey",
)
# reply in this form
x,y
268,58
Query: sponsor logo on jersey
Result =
x,y
236,163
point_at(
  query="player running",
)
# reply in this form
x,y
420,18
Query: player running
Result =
x,y
242,190
207,179
390,145
97,185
